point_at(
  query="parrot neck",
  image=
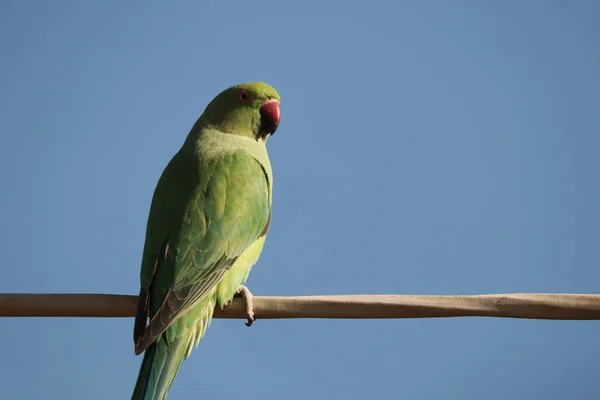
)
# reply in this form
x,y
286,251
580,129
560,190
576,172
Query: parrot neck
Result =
x,y
231,123
212,143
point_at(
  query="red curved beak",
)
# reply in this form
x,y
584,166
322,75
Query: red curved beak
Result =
x,y
270,115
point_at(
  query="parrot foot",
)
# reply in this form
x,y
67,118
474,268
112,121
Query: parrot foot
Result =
x,y
247,295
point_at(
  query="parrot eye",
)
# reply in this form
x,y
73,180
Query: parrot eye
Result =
x,y
244,96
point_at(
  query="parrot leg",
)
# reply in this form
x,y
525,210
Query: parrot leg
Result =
x,y
246,294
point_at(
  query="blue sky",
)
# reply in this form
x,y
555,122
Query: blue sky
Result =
x,y
425,147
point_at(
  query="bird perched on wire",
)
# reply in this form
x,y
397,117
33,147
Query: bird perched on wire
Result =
x,y
208,221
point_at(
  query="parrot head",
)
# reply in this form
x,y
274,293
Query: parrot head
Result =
x,y
248,109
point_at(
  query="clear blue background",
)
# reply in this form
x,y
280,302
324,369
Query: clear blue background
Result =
x,y
426,147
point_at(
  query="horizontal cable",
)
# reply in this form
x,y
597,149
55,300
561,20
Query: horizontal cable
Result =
x,y
525,305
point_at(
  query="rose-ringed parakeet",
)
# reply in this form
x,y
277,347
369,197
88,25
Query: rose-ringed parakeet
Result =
x,y
208,220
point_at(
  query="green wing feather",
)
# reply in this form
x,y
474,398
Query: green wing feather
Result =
x,y
226,211
204,215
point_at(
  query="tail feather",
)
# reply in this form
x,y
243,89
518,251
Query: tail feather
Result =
x,y
163,358
159,368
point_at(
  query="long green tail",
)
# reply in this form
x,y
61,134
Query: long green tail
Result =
x,y
159,367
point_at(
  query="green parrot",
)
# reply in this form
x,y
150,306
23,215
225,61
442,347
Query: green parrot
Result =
x,y
208,221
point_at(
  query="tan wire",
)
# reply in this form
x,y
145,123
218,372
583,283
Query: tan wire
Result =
x,y
526,305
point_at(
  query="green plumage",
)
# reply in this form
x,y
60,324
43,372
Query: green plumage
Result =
x,y
206,228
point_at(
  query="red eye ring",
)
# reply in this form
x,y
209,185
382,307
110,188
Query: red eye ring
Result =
x,y
244,96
